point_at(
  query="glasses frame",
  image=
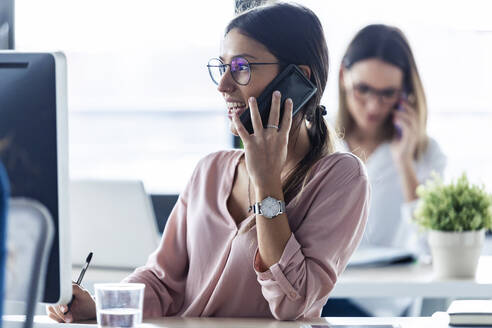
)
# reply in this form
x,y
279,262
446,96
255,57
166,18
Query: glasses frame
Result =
x,y
379,93
249,64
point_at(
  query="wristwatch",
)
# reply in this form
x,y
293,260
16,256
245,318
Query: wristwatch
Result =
x,y
269,207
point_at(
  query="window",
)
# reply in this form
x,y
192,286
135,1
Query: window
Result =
x,y
452,43
142,105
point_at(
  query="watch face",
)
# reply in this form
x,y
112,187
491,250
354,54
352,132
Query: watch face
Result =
x,y
270,207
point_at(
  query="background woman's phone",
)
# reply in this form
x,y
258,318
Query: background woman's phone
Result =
x,y
292,83
399,107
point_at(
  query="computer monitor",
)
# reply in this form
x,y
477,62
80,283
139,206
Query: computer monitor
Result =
x,y
34,149
96,208
4,193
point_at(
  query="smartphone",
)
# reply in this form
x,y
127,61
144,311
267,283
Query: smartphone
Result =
x,y
292,83
399,107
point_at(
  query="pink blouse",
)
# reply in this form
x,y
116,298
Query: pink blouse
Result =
x,y
204,265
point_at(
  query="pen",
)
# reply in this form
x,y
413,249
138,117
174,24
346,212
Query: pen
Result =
x,y
81,276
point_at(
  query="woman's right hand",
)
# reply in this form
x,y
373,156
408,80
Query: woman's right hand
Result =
x,y
83,307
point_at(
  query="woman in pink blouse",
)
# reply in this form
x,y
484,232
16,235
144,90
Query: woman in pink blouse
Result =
x,y
217,257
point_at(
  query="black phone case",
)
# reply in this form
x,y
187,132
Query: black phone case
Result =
x,y
291,83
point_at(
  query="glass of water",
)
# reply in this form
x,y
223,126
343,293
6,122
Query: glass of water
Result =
x,y
119,305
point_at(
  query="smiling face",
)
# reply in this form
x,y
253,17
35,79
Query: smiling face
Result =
x,y
370,111
235,95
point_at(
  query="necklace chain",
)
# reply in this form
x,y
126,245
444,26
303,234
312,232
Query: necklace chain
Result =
x,y
250,206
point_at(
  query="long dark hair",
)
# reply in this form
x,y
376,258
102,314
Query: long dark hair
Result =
x,y
294,35
388,44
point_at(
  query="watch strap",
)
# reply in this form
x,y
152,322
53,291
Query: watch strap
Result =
x,y
282,207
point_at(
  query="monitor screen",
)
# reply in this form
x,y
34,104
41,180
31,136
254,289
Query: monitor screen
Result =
x,y
33,148
3,230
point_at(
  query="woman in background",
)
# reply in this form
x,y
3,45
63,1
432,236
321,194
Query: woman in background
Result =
x,y
382,117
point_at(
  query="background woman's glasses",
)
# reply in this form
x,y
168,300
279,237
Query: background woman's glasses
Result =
x,y
363,92
240,69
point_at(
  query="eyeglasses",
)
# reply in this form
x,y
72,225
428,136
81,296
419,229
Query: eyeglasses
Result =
x,y
240,69
363,92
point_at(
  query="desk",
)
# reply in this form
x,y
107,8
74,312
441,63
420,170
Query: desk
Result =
x,y
419,322
436,321
426,322
413,280
409,280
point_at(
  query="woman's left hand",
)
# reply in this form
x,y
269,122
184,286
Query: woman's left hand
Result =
x,y
403,148
266,148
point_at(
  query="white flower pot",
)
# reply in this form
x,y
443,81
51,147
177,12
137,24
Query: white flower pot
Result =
x,y
455,254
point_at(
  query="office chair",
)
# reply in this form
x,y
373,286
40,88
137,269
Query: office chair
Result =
x,y
29,237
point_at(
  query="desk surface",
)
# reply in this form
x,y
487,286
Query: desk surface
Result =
x,y
413,280
256,323
436,321
409,280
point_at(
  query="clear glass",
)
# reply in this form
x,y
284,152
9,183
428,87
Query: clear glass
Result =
x,y
119,305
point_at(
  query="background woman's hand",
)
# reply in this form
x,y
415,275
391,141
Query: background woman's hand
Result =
x,y
83,307
403,148
266,149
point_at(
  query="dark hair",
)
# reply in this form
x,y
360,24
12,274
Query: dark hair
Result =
x,y
388,44
381,42
294,35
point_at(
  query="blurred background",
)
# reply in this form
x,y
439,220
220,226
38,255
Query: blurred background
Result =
x,y
142,106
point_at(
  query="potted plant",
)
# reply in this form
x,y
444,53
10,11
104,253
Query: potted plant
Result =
x,y
457,216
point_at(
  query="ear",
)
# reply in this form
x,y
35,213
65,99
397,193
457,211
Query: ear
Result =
x,y
306,70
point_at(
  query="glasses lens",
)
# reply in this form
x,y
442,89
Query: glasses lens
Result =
x,y
240,70
389,95
216,69
361,91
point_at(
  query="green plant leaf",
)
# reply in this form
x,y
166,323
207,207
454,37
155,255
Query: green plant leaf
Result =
x,y
458,206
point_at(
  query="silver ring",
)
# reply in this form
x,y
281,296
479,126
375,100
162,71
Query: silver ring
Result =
x,y
272,126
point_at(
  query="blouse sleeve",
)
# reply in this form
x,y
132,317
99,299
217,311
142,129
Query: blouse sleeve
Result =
x,y
166,270
317,253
